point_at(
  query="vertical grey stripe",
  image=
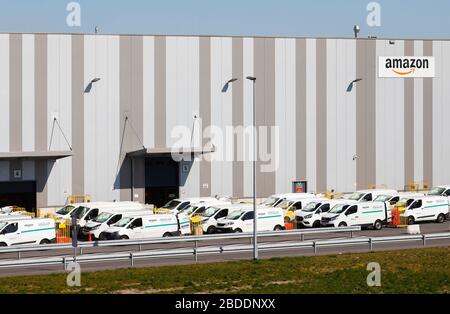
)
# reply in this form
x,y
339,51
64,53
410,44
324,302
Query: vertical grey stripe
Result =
x,y
409,120
365,113
238,116
78,114
300,110
264,65
125,111
205,109
131,106
321,114
160,92
428,120
15,101
137,112
40,79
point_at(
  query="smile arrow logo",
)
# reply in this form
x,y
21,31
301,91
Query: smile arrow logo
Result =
x,y
405,73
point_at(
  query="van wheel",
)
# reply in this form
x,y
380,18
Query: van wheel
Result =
x,y
440,219
3,244
124,237
211,230
378,225
167,234
316,224
277,228
342,224
238,230
411,220
44,241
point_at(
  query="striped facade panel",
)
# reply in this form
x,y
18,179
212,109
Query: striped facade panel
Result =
x,y
182,105
59,118
4,104
366,113
441,111
102,119
28,105
390,123
264,69
340,115
221,116
285,114
311,114
248,70
428,104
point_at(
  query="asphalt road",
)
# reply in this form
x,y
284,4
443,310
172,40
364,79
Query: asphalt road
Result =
x,y
426,228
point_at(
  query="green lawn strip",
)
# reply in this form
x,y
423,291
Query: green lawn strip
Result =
x,y
409,271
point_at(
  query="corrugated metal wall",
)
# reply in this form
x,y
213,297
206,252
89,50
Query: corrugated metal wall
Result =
x,y
397,127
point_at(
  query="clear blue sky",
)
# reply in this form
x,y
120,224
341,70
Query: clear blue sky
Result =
x,y
399,18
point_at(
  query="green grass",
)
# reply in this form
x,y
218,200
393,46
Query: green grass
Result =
x,y
409,271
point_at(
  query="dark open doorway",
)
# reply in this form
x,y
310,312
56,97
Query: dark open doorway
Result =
x,y
161,180
21,194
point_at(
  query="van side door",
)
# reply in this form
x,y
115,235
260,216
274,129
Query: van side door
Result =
x,y
136,228
352,215
247,219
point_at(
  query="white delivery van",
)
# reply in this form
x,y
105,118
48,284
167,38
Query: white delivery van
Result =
x,y
426,208
370,195
88,211
27,231
367,214
311,215
269,219
141,227
176,205
105,220
184,215
276,199
213,214
392,200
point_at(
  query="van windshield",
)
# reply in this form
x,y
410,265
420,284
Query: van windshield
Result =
x,y
189,210
271,201
356,196
285,204
102,217
236,215
123,222
382,198
338,209
210,211
436,191
171,204
79,212
2,225
311,207
65,210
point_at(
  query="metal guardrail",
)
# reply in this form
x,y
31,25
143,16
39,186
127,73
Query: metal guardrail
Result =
x,y
63,260
300,232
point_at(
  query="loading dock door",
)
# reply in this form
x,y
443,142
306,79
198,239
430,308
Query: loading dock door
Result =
x,y
161,180
21,194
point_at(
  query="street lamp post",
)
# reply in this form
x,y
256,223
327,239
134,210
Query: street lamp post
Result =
x,y
255,216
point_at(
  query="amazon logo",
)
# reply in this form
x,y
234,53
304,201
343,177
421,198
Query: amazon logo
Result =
x,y
406,67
